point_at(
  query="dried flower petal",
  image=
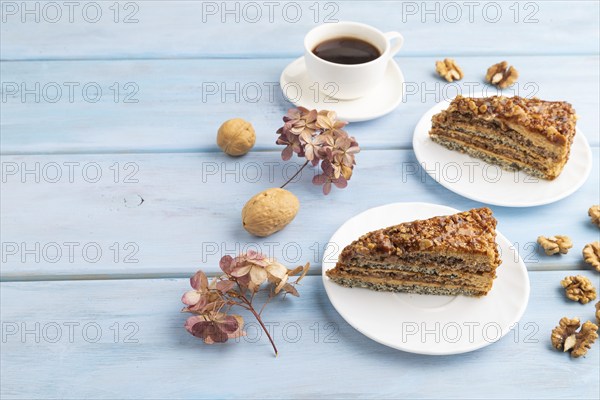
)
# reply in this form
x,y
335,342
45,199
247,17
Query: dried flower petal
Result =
x,y
193,320
277,270
225,286
199,281
290,289
226,323
258,275
304,272
191,297
241,270
225,264
210,332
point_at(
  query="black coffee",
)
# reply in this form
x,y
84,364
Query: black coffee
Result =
x,y
346,50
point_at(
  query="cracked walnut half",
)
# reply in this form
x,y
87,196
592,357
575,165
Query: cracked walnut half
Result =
x,y
566,338
501,75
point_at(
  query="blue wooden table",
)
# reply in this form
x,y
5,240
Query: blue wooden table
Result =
x,y
114,192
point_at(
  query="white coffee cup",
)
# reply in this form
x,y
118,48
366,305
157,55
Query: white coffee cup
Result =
x,y
349,81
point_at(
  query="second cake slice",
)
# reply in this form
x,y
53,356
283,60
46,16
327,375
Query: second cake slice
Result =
x,y
513,132
447,255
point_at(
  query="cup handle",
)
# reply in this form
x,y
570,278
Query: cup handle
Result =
x,y
396,41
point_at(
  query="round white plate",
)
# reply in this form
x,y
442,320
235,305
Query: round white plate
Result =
x,y
301,91
427,324
477,180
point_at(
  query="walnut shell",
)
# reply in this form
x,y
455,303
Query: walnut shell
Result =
x,y
236,137
269,211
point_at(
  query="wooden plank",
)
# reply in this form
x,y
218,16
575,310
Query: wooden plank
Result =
x,y
322,356
184,29
184,212
181,103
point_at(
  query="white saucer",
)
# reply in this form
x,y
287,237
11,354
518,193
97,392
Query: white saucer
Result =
x,y
299,90
427,324
477,180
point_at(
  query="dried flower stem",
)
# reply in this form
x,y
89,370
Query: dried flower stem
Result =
x,y
295,175
259,319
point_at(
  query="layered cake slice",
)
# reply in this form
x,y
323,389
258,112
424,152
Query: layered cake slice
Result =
x,y
515,133
449,255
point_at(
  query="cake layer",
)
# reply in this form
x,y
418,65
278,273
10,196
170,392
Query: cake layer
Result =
x,y
507,152
424,262
495,128
485,132
491,157
465,279
380,284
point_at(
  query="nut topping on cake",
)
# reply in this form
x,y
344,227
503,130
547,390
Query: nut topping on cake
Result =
x,y
553,119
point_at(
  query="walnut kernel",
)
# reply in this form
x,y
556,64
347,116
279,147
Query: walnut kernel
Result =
x,y
591,254
594,213
555,244
579,288
598,312
425,244
501,75
566,338
449,70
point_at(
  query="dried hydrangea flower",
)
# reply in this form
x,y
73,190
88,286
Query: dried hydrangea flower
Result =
x,y
246,273
320,138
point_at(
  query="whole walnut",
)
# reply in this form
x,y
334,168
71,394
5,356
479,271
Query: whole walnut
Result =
x,y
236,137
269,211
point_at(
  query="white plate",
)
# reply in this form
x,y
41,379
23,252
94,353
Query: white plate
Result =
x,y
299,90
477,180
427,324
